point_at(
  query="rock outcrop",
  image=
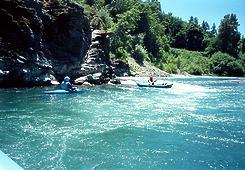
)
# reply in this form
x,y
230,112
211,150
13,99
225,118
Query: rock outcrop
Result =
x,y
41,41
96,67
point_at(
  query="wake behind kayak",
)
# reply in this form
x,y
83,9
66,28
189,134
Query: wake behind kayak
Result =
x,y
60,91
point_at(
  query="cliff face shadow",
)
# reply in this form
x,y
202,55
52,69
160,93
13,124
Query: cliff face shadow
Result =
x,y
36,36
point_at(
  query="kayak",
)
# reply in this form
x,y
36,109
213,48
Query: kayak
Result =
x,y
156,85
7,163
60,91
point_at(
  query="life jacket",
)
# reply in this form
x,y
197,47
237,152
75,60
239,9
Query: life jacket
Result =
x,y
65,85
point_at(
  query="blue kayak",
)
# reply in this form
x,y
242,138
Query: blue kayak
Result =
x,y
7,163
62,91
155,85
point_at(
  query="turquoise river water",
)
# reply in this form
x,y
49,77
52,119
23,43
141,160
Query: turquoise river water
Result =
x,y
197,124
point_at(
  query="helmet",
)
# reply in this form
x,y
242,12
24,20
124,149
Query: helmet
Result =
x,y
67,78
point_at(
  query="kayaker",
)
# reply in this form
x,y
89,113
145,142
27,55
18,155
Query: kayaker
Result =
x,y
151,81
66,85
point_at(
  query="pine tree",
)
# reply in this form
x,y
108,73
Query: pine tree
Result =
x,y
228,36
205,26
213,29
242,45
196,21
193,20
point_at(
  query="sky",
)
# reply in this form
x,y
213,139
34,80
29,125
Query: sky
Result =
x,y
212,11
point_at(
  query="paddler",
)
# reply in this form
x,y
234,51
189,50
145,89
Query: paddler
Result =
x,y
66,85
151,81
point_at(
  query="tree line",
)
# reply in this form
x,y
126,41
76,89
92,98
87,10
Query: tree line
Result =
x,y
143,31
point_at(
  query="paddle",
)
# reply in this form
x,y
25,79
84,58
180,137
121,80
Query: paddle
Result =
x,y
54,82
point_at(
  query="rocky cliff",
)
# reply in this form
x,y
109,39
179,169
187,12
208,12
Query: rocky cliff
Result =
x,y
44,40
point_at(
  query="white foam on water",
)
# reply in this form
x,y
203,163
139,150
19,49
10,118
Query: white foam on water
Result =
x,y
188,88
128,82
177,87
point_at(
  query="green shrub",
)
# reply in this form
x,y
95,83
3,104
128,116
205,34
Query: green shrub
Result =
x,y
140,54
171,68
224,64
235,69
121,54
188,62
242,60
195,70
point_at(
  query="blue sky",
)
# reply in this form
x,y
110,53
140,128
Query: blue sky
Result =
x,y
211,11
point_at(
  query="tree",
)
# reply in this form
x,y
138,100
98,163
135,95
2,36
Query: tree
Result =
x,y
180,39
211,46
191,37
90,2
228,36
196,20
101,19
173,26
120,7
242,45
194,38
213,29
150,24
205,26
193,20
126,25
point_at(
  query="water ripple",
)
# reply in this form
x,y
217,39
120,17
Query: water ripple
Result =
x,y
197,124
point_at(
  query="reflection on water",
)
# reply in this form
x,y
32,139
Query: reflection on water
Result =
x,y
197,124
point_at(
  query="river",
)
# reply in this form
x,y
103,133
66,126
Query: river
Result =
x,y
199,123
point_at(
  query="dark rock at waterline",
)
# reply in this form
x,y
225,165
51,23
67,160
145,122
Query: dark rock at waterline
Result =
x,y
24,70
44,40
121,68
115,81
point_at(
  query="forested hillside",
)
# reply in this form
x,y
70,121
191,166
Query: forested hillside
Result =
x,y
143,31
